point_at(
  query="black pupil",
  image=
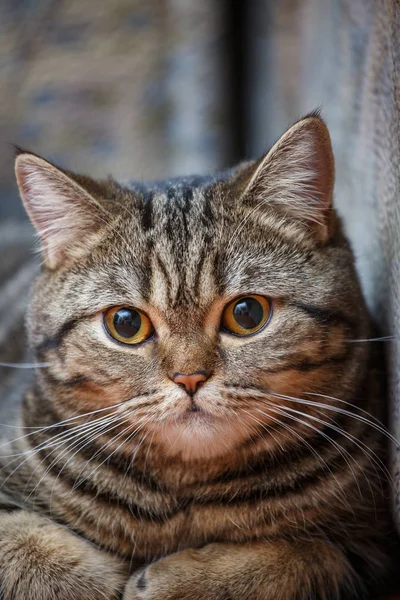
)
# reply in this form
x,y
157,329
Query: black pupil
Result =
x,y
248,313
127,322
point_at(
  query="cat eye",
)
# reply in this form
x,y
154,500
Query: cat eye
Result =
x,y
246,315
128,325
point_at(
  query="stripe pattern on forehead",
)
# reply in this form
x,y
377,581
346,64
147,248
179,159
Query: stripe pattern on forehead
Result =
x,y
182,234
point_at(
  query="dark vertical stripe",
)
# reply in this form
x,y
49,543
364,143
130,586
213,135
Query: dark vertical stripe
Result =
x,y
199,270
147,215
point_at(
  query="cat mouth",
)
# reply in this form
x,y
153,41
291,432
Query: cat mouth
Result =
x,y
195,414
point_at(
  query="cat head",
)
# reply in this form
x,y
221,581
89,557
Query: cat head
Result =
x,y
198,308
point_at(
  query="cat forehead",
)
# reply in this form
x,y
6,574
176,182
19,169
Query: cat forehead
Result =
x,y
182,243
164,241
175,219
167,205
171,242
189,231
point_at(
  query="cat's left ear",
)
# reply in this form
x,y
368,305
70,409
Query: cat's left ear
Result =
x,y
296,178
64,213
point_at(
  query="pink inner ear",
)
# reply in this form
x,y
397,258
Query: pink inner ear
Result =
x,y
60,210
297,175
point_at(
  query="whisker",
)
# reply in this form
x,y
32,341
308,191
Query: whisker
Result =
x,y
336,409
279,410
288,428
349,436
80,445
38,429
292,431
148,451
8,365
115,450
169,402
88,441
267,428
385,338
368,420
48,443
342,451
96,431
43,446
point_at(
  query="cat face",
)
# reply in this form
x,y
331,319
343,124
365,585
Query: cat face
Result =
x,y
200,309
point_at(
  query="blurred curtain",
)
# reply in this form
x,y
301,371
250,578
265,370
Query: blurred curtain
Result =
x,y
127,87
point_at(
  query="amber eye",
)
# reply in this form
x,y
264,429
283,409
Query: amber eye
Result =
x,y
246,315
128,325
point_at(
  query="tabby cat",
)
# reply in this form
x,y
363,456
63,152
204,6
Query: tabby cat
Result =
x,y
204,420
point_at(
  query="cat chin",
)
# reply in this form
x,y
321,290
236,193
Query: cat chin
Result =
x,y
197,435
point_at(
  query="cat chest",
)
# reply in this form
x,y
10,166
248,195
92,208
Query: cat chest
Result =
x,y
123,530
135,518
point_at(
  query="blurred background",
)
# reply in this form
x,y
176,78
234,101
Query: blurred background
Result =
x,y
149,88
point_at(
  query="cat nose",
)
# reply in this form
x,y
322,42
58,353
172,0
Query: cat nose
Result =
x,y
191,382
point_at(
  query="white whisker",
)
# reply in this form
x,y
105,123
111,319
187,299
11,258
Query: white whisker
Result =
x,y
115,450
379,427
385,338
302,440
96,431
47,444
343,452
24,365
376,460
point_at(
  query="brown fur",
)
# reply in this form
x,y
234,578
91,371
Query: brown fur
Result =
x,y
275,489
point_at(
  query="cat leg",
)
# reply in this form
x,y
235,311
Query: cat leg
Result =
x,y
281,570
40,560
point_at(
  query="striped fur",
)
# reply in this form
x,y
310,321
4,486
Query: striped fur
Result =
x,y
276,487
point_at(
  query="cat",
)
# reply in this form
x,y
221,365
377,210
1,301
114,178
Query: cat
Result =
x,y
204,419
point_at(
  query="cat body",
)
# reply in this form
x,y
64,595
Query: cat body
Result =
x,y
230,448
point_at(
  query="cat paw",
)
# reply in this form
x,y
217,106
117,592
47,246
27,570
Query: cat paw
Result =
x,y
186,575
42,560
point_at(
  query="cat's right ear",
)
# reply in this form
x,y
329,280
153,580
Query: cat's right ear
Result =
x,y
63,213
296,179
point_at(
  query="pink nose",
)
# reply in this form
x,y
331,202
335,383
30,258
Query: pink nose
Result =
x,y
191,382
